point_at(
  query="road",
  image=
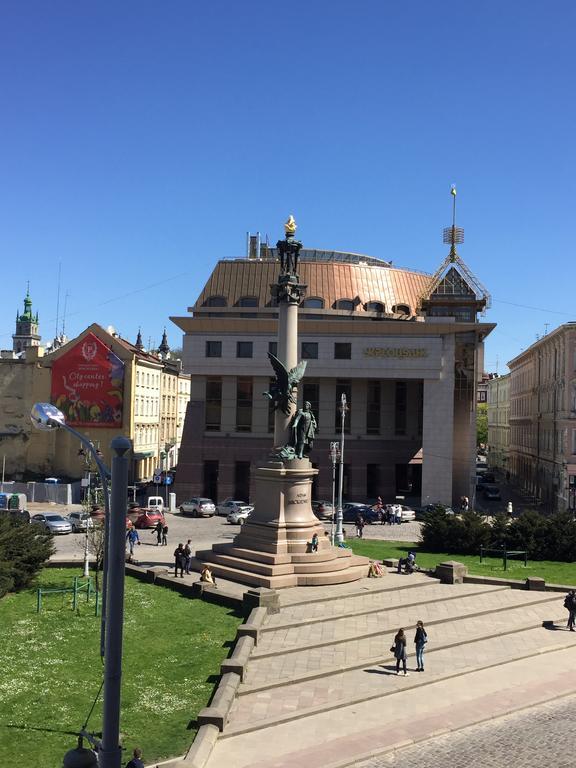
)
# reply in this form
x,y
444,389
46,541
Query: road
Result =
x,y
543,735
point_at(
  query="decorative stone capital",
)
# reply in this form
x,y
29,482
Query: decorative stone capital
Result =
x,y
288,290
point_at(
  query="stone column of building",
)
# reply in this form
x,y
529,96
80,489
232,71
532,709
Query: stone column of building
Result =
x,y
437,439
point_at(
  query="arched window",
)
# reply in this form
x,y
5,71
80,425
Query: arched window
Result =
x,y
247,301
215,301
313,303
401,309
374,306
347,304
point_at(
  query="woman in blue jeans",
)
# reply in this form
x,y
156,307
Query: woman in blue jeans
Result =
x,y
420,639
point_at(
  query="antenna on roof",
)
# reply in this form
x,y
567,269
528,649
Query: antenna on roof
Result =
x,y
453,235
64,315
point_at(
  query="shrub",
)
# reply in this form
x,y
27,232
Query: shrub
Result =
x,y
463,533
23,550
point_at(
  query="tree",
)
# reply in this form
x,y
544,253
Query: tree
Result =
x,y
24,548
481,424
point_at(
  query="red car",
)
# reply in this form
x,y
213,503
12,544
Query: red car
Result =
x,y
148,519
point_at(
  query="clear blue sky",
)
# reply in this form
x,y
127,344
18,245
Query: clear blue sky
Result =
x,y
140,140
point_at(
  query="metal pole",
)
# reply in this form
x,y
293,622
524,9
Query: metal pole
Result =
x,y
3,470
339,530
333,456
110,753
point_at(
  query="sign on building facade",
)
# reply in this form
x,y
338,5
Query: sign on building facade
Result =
x,y
88,384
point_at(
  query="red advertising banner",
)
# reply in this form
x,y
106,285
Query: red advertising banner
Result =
x,y
88,384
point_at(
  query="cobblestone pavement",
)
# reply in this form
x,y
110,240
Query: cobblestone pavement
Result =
x,y
543,735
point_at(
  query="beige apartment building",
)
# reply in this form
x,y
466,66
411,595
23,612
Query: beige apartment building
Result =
x,y
106,386
498,400
406,348
543,418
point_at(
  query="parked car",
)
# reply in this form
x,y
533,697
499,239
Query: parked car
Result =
x,y
237,516
408,514
148,519
198,507
323,509
55,524
80,521
232,505
351,511
421,512
492,493
156,503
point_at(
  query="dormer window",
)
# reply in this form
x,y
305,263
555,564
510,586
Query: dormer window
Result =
x,y
347,304
374,306
215,301
401,309
313,303
247,301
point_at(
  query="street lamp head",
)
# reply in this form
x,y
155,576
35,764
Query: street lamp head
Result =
x,y
80,757
46,416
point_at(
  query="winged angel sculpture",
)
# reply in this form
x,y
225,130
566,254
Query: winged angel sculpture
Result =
x,y
282,391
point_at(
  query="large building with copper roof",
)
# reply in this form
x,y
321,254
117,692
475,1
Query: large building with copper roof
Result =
x,y
405,347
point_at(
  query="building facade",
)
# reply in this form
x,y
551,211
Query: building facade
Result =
x,y
543,418
404,347
498,400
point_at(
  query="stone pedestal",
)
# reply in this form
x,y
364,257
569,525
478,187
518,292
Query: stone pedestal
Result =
x,y
451,572
273,546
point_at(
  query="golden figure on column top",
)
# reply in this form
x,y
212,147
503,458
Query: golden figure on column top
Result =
x,y
290,226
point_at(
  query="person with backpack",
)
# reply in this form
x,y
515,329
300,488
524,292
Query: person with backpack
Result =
x,y
570,605
420,640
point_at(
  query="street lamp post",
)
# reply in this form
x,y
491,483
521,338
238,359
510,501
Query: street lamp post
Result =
x,y
47,417
339,529
334,454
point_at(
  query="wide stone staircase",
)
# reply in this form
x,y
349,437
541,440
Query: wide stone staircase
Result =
x,y
320,689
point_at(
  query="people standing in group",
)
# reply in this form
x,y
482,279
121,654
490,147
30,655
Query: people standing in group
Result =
x,y
164,535
187,557
359,525
398,513
158,531
570,605
420,640
399,650
390,514
132,538
179,560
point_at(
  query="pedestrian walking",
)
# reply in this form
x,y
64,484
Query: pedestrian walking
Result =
x,y
399,651
179,560
570,605
158,531
187,557
398,514
136,761
132,538
359,526
164,535
420,640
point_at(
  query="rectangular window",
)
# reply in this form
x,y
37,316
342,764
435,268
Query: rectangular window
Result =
x,y
342,351
373,408
273,348
243,349
213,405
244,405
309,350
400,408
311,394
213,349
242,480
343,388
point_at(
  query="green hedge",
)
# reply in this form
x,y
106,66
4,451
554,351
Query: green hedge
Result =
x,y
24,548
545,538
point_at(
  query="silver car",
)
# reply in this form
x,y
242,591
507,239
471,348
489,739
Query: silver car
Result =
x,y
55,524
233,505
80,522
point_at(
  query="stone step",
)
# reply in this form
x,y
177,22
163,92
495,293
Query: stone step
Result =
x,y
291,660
294,701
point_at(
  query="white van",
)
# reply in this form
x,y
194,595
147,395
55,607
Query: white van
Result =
x,y
156,503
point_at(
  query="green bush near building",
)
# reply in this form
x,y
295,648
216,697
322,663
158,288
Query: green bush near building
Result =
x,y
24,549
51,670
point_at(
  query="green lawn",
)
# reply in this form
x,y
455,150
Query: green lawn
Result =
x,y
51,670
552,572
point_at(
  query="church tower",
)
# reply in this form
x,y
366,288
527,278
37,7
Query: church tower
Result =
x,y
26,327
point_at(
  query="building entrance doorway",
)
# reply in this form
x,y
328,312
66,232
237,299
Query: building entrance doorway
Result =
x,y
408,479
